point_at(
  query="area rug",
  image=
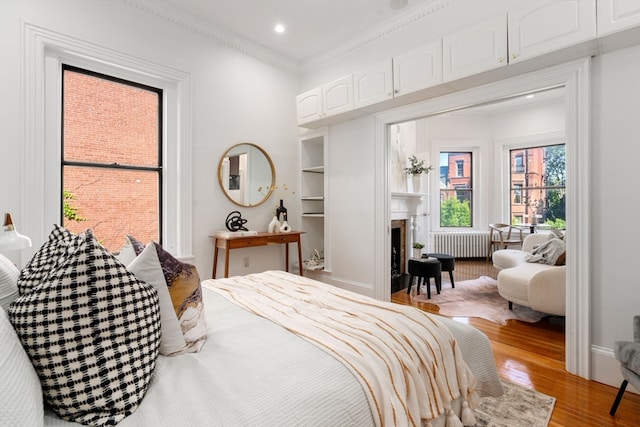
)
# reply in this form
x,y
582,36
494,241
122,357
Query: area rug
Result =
x,y
517,407
476,298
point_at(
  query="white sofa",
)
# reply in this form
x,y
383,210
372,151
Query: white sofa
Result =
x,y
539,286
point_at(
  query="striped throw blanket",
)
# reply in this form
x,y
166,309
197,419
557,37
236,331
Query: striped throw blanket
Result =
x,y
408,363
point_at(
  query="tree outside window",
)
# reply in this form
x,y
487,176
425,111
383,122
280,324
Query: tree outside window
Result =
x,y
456,189
538,179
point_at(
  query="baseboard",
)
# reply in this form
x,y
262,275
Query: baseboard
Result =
x,y
606,369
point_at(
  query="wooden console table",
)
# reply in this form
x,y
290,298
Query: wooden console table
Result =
x,y
260,239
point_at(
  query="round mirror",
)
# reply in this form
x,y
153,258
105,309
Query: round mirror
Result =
x,y
246,174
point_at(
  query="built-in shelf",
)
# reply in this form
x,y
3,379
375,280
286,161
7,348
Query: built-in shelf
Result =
x,y
313,203
314,169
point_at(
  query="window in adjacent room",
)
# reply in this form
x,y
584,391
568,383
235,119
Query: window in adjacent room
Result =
x,y
111,157
456,189
538,178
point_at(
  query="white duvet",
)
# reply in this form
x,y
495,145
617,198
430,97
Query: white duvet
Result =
x,y
252,372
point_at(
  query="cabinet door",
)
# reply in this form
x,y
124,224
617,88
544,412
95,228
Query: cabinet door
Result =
x,y
309,105
476,49
548,26
338,96
373,85
418,69
615,15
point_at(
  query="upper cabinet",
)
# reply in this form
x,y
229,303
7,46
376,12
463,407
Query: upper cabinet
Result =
x,y
373,85
548,26
531,30
475,49
616,15
329,99
309,105
418,68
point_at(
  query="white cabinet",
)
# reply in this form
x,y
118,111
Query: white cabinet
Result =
x,y
475,49
337,96
542,27
417,69
373,85
313,201
329,99
616,15
309,105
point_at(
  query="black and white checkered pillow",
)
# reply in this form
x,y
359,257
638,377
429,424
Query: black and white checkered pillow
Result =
x,y
92,332
61,241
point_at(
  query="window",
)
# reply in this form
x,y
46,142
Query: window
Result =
x,y
456,191
111,157
538,178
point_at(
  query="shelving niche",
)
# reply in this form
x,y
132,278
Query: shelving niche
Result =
x,y
313,200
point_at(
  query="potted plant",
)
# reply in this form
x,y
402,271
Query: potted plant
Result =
x,y
417,249
416,170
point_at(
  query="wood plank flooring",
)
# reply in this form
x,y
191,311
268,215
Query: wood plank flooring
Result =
x,y
533,355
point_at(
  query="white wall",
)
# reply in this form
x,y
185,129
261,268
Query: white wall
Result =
x,y
234,98
615,111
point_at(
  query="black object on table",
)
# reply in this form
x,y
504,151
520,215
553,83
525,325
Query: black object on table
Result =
x,y
447,263
424,269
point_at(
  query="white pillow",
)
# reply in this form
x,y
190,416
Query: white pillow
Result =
x,y
9,274
146,267
20,390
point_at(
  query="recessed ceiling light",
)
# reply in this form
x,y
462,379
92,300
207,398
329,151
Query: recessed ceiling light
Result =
x,y
279,28
530,96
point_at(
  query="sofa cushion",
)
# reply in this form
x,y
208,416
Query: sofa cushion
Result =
x,y
92,332
508,258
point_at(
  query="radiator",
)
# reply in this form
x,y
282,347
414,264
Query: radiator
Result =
x,y
462,244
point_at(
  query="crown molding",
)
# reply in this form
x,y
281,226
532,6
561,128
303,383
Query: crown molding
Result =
x,y
375,34
226,38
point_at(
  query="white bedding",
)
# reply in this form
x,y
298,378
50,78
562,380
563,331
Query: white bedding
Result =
x,y
253,372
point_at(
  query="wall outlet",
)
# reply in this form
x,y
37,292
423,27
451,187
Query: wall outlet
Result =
x,y
246,261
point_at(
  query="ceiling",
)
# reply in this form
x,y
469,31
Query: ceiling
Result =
x,y
312,27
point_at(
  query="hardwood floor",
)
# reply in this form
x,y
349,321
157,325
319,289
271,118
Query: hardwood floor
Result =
x,y
533,355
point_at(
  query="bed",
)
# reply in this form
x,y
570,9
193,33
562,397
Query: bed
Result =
x,y
252,371
139,340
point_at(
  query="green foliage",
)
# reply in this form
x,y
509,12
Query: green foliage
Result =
x,y
558,223
70,212
454,213
418,245
417,167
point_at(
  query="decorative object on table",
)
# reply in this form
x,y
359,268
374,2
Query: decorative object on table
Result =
x,y
285,227
281,210
235,222
10,239
417,249
274,225
416,170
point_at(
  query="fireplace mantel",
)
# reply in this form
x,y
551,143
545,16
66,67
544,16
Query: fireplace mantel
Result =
x,y
405,205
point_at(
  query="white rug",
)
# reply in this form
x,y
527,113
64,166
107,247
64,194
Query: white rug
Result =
x,y
517,407
476,298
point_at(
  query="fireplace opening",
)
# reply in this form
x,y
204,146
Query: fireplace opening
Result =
x,y
398,254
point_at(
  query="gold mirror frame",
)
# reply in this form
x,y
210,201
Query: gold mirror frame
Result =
x,y
243,174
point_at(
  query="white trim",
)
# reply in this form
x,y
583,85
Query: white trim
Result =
x,y
575,77
44,51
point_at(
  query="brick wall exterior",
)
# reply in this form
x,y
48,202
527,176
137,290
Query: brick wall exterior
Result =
x,y
109,122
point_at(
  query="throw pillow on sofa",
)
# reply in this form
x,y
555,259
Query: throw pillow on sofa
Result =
x,y
9,274
183,282
92,333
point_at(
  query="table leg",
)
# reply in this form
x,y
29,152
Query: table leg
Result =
x,y
215,260
300,257
226,261
286,252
